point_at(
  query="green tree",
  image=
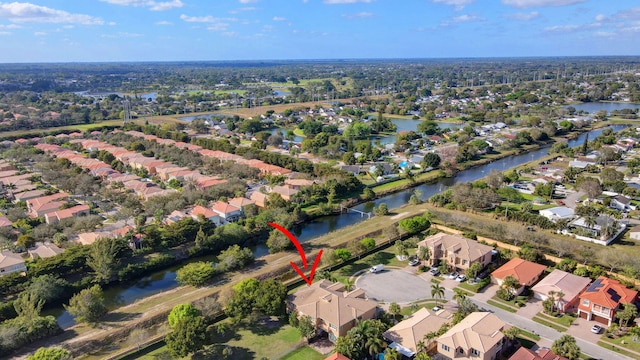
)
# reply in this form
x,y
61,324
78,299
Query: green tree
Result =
x,y
51,354
102,259
306,328
459,295
437,292
381,210
394,309
182,312
343,254
188,335
368,243
473,270
566,346
628,313
415,224
28,306
424,254
196,273
88,305
431,160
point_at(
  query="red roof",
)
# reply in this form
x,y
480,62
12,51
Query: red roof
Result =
x,y
609,293
523,270
337,356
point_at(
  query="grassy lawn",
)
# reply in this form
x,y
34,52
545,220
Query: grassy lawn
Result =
x,y
628,342
435,281
411,309
475,288
614,345
501,306
386,257
528,334
564,320
404,183
79,127
548,322
305,353
260,341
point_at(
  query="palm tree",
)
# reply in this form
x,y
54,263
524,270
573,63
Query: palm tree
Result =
x,y
349,284
423,253
422,356
391,354
459,295
437,292
374,345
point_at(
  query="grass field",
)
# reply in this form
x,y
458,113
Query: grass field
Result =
x,y
305,353
80,127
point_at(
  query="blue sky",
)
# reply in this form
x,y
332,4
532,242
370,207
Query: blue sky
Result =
x,y
173,30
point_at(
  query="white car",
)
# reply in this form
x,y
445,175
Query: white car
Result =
x,y
453,275
461,278
596,329
414,261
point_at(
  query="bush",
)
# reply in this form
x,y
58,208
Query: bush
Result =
x,y
196,274
136,271
415,224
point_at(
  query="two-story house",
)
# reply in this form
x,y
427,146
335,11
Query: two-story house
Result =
x,y
10,262
478,336
603,298
332,309
456,250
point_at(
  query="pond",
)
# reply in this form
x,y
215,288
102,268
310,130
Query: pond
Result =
x,y
409,125
594,107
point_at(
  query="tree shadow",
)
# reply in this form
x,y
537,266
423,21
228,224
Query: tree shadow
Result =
x,y
265,326
116,317
221,351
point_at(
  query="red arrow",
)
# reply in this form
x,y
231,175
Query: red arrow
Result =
x,y
296,243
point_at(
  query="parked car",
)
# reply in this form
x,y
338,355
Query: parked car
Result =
x,y
596,329
436,308
453,275
434,271
560,202
461,278
414,261
376,268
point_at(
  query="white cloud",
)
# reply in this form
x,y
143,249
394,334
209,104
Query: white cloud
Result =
x,y
27,12
121,35
10,26
459,4
360,15
151,4
5,33
563,28
601,17
248,1
163,23
466,18
39,33
523,16
539,3
243,9
279,18
334,2
604,34
214,23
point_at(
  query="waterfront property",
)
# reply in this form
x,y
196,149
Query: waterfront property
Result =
x,y
456,250
332,309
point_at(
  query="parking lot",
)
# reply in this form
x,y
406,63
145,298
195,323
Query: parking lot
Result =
x,y
394,286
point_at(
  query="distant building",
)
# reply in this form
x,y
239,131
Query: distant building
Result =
x,y
10,263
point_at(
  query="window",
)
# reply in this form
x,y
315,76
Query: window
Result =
x,y
464,262
333,326
461,350
475,352
585,302
445,347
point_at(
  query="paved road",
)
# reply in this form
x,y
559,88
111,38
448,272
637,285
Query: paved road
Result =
x,y
548,334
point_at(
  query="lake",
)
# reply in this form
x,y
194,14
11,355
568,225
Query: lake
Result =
x,y
594,107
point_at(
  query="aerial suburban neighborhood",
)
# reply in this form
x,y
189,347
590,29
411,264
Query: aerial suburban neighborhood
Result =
x,y
359,210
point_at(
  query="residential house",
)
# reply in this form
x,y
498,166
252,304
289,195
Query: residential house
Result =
x,y
44,250
571,286
241,203
634,233
603,231
35,205
332,309
285,191
10,263
5,222
558,213
259,199
622,203
478,336
227,211
336,356
59,215
405,335
27,195
603,299
458,251
526,272
89,238
541,354
298,183
207,213
175,216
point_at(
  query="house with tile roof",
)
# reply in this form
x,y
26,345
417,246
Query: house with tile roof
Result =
x,y
5,222
602,299
35,205
207,213
526,272
332,309
456,250
285,191
571,286
227,211
44,250
241,203
405,335
28,195
259,199
541,354
55,217
10,263
336,356
478,336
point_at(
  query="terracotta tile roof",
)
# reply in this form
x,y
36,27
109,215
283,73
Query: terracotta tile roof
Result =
x,y
479,330
4,222
7,259
44,250
542,354
523,270
241,202
609,292
223,208
201,210
468,249
337,356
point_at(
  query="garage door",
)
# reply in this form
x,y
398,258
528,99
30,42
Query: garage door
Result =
x,y
600,319
584,315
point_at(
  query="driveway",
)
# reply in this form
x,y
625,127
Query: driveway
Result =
x,y
581,328
394,286
530,310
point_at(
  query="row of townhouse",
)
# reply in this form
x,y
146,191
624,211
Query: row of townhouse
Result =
x,y
219,213
11,262
599,301
220,155
165,171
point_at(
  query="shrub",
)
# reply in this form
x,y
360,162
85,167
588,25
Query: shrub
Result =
x,y
196,274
